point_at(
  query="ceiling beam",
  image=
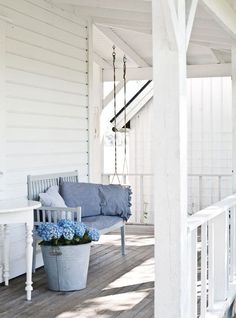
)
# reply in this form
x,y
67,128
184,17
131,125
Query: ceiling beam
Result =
x,y
114,14
192,8
213,45
222,11
100,61
123,46
127,5
139,26
193,71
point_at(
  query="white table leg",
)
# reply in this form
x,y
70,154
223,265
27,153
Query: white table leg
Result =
x,y
29,257
6,254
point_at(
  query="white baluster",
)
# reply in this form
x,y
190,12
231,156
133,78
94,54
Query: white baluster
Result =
x,y
203,270
193,272
221,224
232,244
211,266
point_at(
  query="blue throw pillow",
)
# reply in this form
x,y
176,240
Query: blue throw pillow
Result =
x,y
116,200
85,195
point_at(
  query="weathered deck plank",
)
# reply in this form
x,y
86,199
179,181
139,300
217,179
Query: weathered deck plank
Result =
x,y
118,286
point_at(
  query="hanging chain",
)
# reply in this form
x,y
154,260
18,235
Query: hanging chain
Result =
x,y
114,97
125,116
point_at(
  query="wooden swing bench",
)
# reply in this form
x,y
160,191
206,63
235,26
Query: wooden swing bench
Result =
x,y
40,183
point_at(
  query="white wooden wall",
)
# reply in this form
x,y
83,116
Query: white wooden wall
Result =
x,y
209,141
46,80
141,162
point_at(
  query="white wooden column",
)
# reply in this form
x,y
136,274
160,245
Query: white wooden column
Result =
x,y
233,63
170,158
3,25
95,108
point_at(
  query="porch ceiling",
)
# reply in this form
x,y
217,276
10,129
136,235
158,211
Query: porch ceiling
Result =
x,y
127,24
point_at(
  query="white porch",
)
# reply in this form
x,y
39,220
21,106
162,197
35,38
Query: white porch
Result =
x,y
55,60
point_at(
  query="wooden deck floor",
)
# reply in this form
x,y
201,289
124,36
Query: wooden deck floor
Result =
x,y
118,286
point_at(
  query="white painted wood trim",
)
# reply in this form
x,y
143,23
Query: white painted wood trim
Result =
x,y
223,13
193,71
170,170
233,57
3,26
110,96
132,5
123,46
90,94
190,20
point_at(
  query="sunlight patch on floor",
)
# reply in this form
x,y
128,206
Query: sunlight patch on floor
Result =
x,y
101,306
131,240
141,274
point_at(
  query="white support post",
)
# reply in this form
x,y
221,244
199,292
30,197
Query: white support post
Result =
x,y
95,108
233,57
170,159
3,25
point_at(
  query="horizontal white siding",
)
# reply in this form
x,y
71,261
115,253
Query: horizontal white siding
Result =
x,y
46,86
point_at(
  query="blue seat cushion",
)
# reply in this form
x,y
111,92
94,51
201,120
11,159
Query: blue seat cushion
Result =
x,y
115,200
101,222
81,194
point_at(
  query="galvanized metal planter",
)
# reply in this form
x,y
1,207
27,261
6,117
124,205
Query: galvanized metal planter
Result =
x,y
66,266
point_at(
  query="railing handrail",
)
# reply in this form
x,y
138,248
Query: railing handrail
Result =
x,y
127,174
131,100
189,174
211,212
209,175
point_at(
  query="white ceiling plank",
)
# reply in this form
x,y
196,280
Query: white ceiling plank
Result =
x,y
210,44
100,61
190,19
139,26
123,46
114,14
223,13
127,5
193,71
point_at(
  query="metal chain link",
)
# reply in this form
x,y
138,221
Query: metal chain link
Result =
x,y
114,97
125,165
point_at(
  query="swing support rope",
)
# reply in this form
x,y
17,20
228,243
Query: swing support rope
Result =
x,y
115,112
125,165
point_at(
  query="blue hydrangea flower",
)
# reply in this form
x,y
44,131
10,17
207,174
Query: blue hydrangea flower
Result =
x,y
49,231
68,232
93,234
66,223
80,229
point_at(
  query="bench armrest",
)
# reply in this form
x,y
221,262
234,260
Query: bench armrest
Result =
x,y
49,214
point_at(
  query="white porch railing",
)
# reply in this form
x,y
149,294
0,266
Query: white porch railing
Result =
x,y
205,189
212,259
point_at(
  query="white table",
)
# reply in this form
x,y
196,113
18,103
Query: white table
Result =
x,y
14,212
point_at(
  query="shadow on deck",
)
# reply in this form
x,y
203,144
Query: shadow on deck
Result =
x,y
118,286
